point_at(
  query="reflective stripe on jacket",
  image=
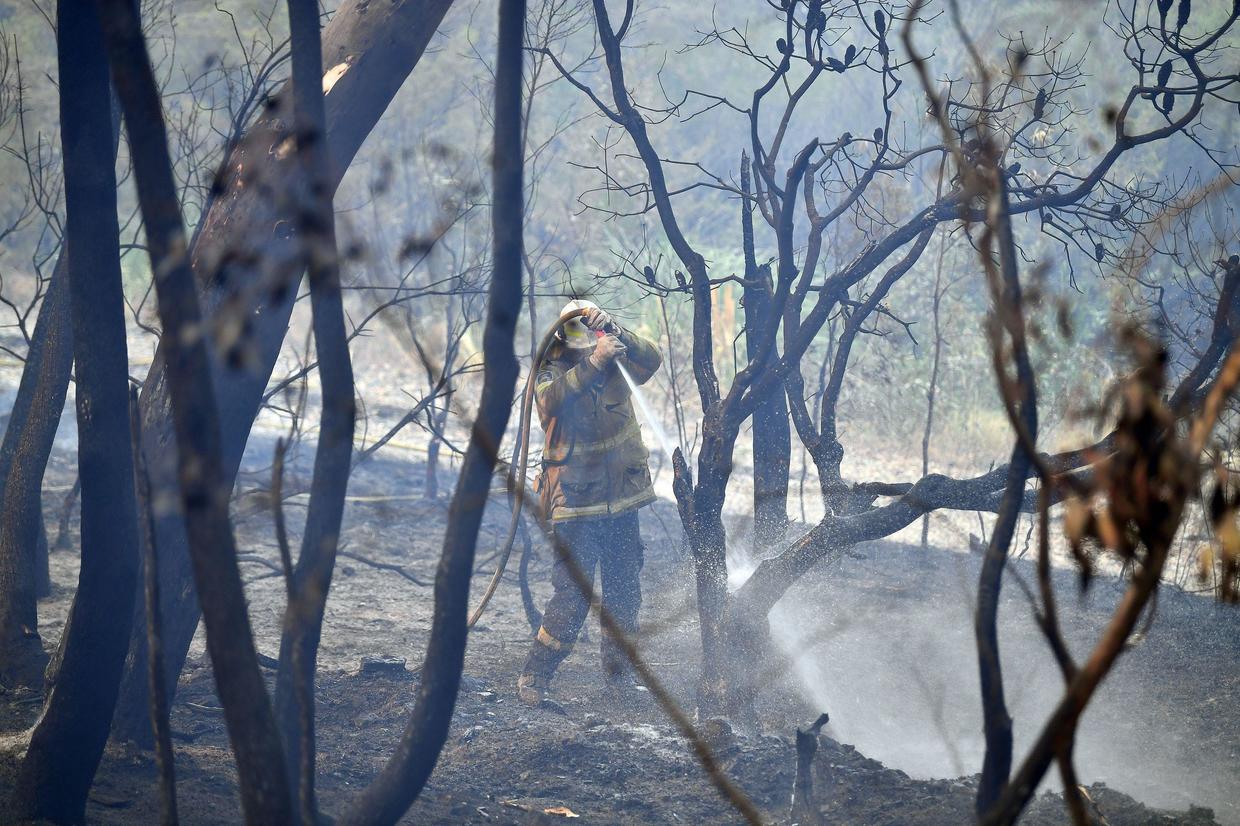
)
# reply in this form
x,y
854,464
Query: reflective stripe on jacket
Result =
x,y
594,460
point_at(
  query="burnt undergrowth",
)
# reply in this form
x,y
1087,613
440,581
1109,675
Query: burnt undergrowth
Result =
x,y
622,766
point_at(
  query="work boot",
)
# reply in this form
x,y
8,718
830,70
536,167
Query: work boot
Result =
x,y
546,653
532,689
618,672
629,698
623,691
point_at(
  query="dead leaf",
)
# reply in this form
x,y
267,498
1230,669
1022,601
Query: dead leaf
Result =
x,y
563,811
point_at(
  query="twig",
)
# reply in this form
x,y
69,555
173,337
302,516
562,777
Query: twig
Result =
x,y
383,566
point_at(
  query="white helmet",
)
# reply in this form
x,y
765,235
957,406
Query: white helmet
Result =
x,y
575,334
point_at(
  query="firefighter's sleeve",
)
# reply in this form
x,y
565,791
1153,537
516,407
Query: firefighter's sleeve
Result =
x,y
642,357
554,386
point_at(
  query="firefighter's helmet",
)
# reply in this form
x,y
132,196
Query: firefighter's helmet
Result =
x,y
575,334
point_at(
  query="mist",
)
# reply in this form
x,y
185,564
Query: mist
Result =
x,y
885,645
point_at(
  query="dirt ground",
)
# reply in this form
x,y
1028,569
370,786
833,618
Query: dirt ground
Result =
x,y
853,628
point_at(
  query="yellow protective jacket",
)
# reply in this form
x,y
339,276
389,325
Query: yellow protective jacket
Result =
x,y
594,460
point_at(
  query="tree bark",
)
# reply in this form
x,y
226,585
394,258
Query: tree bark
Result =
x,y
708,543
160,725
243,228
403,778
311,580
204,493
28,442
727,686
23,457
772,436
68,741
42,559
772,447
805,806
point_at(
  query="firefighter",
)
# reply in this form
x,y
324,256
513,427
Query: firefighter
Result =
x,y
594,478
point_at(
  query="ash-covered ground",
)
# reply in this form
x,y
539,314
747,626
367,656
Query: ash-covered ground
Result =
x,y
881,641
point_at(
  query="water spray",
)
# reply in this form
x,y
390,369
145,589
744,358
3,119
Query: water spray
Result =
x,y
648,413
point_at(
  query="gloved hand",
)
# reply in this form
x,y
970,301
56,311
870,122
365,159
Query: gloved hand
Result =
x,y
597,319
607,350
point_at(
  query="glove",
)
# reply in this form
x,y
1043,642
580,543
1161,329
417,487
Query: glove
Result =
x,y
607,350
597,319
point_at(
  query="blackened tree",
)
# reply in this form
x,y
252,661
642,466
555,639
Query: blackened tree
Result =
x,y
245,266
68,741
832,180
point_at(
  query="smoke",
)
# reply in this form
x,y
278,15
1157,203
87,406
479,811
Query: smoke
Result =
x,y
886,646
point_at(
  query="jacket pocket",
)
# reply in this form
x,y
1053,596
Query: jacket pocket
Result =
x,y
583,481
636,478
579,493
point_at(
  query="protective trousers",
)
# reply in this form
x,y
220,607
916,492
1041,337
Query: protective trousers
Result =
x,y
614,545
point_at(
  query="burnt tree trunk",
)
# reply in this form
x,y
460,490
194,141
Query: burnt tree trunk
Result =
x,y
160,724
68,741
42,560
204,493
404,776
244,227
708,543
28,440
23,458
727,683
311,579
772,436
772,441
805,806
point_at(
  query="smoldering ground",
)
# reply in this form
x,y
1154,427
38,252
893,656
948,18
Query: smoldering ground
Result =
x,y
885,642
882,642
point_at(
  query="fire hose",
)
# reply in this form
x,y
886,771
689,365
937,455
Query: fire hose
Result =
x,y
520,461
